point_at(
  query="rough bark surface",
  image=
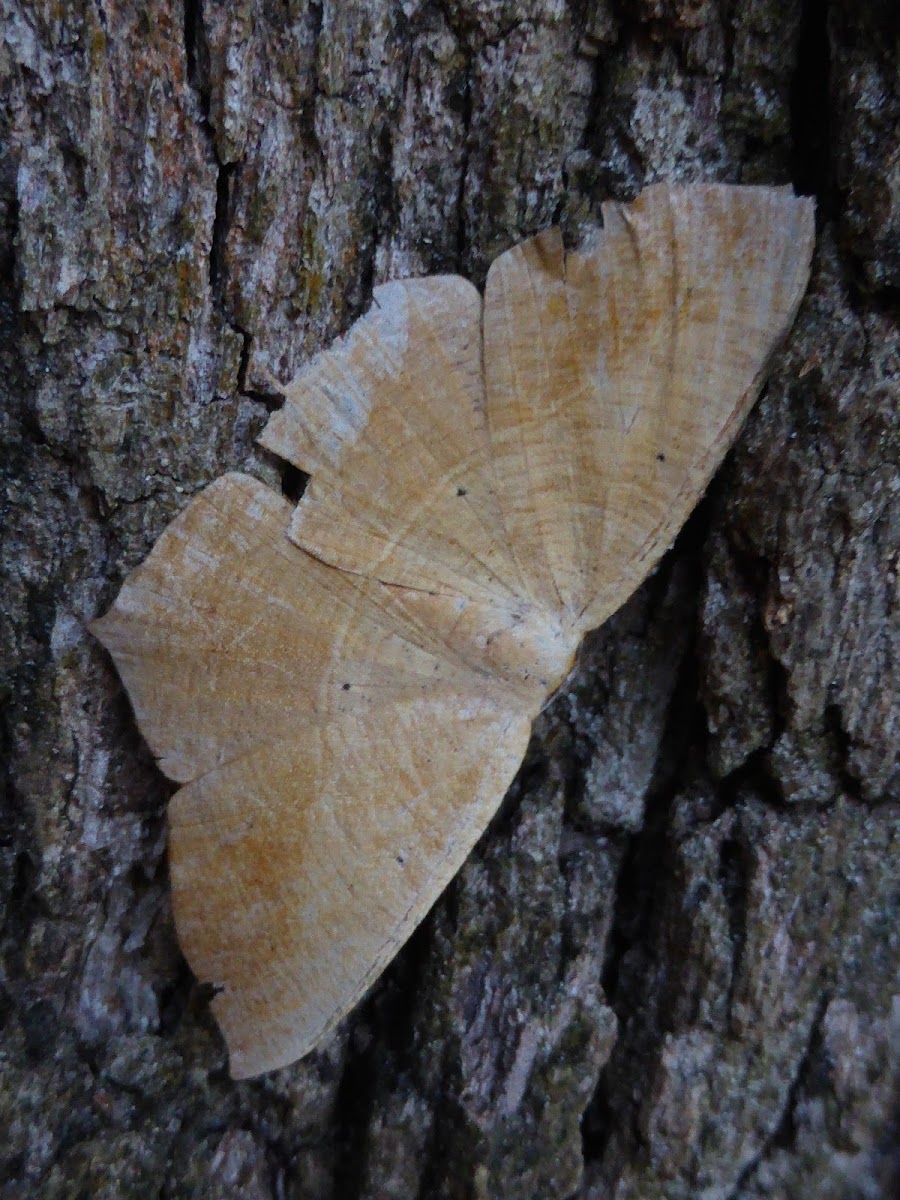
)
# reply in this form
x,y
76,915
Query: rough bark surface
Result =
x,y
669,968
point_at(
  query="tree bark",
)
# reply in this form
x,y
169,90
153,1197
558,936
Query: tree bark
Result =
x,y
668,968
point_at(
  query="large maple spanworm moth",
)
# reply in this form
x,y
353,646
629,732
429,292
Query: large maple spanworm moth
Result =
x,y
344,688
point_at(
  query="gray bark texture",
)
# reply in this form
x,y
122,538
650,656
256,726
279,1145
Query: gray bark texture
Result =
x,y
668,969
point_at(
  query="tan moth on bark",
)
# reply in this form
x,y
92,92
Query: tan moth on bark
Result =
x,y
345,688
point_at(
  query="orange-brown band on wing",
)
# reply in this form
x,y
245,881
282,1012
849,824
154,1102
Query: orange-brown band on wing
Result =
x,y
617,376
350,709
229,636
300,870
390,421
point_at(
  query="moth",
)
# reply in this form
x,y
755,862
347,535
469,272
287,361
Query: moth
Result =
x,y
345,687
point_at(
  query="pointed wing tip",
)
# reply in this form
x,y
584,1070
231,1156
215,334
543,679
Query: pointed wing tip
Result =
x,y
543,253
229,486
272,438
108,627
250,1052
250,1063
96,627
343,376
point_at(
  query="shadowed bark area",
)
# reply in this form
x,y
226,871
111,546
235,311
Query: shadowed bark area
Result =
x,y
668,969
